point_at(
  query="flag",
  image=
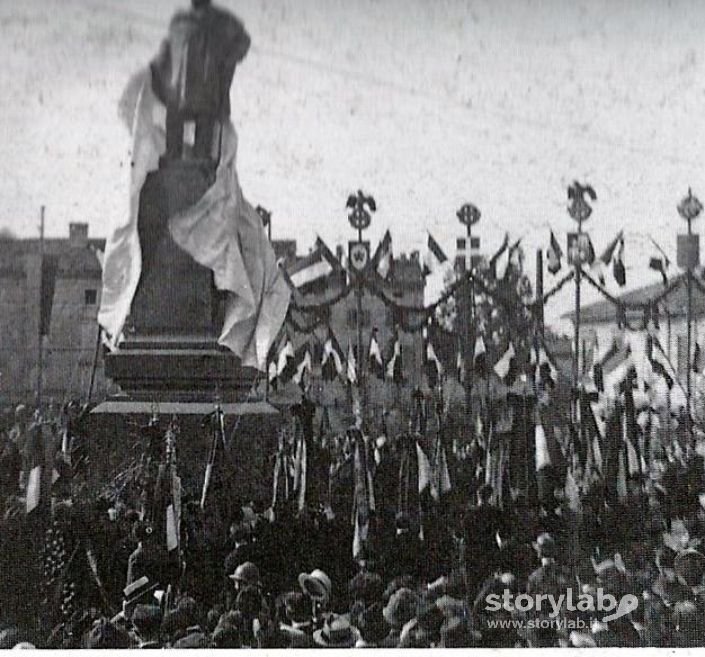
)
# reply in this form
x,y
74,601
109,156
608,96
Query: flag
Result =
x,y
503,366
543,455
394,363
495,258
35,458
49,269
382,259
605,259
221,231
441,476
657,264
332,363
434,256
554,255
363,492
659,365
425,472
296,365
545,374
480,358
515,258
611,369
375,363
618,269
285,356
698,361
433,367
303,368
316,265
351,365
475,256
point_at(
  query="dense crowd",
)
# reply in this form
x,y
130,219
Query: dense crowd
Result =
x,y
247,577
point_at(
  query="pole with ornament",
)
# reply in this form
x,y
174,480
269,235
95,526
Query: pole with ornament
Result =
x,y
689,257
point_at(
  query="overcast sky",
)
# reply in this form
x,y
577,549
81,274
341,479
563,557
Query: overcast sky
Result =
x,y
426,104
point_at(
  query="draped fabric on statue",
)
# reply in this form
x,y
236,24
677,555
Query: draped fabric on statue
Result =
x,y
222,231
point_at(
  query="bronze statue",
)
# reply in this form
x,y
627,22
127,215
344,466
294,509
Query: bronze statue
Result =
x,y
192,75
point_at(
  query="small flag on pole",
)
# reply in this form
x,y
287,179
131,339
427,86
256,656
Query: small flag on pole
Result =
x,y
618,269
382,259
554,255
434,256
376,364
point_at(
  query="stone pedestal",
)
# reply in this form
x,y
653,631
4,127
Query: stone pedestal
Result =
x,y
170,351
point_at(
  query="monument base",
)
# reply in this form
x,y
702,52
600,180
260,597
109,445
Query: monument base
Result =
x,y
170,351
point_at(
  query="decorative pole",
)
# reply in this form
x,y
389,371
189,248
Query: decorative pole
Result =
x,y
689,256
361,206
580,211
468,215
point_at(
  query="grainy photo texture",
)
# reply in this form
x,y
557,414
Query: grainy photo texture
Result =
x,y
332,324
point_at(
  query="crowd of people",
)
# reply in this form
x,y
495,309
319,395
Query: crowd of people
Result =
x,y
244,576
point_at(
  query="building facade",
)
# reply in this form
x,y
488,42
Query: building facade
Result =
x,y
49,300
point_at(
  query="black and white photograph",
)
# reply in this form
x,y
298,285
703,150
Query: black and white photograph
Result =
x,y
352,324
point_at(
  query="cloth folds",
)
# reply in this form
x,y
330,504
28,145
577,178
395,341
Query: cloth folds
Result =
x,y
222,231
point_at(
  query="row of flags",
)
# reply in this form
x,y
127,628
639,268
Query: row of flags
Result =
x,y
291,364
612,255
509,366
321,262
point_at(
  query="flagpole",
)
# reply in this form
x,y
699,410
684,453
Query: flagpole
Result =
x,y
689,208
361,206
468,215
40,349
580,211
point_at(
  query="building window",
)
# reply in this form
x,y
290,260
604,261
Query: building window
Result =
x,y
90,297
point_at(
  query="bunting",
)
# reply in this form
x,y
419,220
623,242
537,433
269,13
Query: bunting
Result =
x,y
394,363
382,259
332,362
375,362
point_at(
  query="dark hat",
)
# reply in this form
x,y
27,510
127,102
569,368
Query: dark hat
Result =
x,y
371,624
104,634
336,633
430,619
316,584
138,589
367,587
195,639
246,573
690,567
457,633
147,618
401,608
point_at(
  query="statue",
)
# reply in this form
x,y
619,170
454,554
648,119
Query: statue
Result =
x,y
192,75
189,274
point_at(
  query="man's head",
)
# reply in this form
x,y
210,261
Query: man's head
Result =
x,y
199,4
